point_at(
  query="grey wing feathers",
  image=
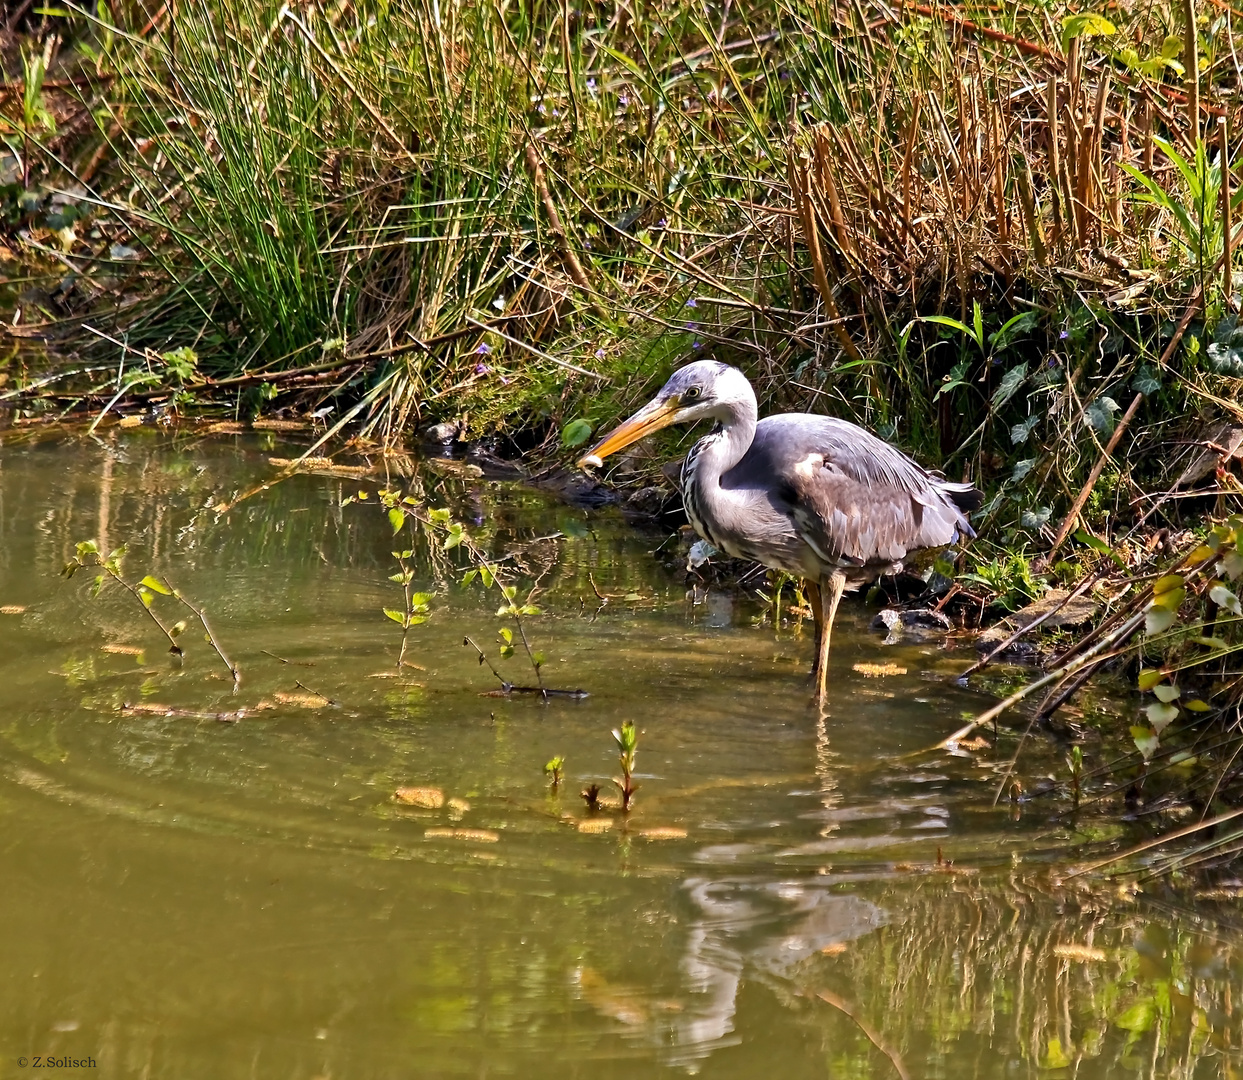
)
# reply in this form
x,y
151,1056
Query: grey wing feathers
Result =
x,y
854,498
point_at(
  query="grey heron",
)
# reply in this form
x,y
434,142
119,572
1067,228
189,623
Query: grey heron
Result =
x,y
820,498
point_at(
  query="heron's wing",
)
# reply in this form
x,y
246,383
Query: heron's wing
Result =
x,y
853,498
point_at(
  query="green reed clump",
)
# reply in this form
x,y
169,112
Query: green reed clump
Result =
x,y
973,238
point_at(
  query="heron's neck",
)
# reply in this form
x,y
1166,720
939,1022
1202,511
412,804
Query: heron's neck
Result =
x,y
719,452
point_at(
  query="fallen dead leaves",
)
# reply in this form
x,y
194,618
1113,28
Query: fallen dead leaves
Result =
x,y
302,701
595,825
476,836
876,671
663,832
425,798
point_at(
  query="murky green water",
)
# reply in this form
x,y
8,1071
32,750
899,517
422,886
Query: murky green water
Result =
x,y
185,897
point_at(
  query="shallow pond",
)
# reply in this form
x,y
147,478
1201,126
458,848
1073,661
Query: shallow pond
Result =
x,y
202,882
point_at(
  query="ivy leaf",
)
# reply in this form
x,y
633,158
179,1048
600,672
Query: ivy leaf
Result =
x,y
507,634
155,585
1035,519
1022,468
1100,414
486,576
1149,677
1196,705
1010,382
397,518
469,576
1020,433
399,617
1167,693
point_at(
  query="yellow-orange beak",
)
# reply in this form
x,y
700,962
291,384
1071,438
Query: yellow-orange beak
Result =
x,y
652,417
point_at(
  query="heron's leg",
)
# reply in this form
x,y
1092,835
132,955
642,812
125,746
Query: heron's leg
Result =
x,y
831,588
817,614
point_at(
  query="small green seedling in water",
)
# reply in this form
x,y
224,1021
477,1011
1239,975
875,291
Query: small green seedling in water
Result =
x,y
553,771
88,554
627,739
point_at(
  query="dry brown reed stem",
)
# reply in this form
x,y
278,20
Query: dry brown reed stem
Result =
x,y
1165,838
1078,591
1084,185
1081,499
1091,656
572,266
1054,151
799,186
973,29
1035,232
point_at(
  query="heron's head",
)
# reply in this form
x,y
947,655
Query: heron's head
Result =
x,y
706,389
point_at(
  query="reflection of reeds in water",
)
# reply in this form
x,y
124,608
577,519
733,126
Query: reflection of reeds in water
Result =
x,y
991,975
942,975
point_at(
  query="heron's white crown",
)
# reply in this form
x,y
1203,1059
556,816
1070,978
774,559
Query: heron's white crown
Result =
x,y
725,392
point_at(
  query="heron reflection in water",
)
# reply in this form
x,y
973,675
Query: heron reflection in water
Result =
x,y
817,497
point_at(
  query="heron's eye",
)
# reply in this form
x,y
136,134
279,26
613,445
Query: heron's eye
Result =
x,y
692,394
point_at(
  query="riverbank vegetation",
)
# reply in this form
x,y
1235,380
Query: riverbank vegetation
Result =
x,y
1003,237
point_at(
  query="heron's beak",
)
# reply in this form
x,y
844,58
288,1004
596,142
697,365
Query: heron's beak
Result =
x,y
652,417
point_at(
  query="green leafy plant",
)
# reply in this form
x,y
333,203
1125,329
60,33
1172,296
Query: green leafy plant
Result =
x,y
444,535
627,739
554,770
1195,209
145,591
1009,578
35,117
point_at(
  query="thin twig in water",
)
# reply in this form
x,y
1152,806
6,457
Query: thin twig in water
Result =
x,y
1079,590
296,663
844,1007
506,685
211,638
331,701
1148,845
